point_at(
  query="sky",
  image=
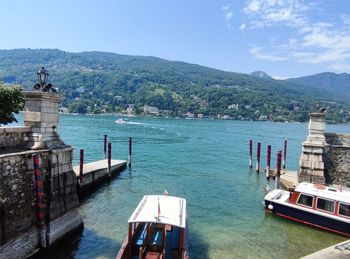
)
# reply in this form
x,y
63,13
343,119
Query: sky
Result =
x,y
284,38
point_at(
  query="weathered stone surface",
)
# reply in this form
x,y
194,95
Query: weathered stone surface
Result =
x,y
63,225
23,245
13,136
19,231
311,160
41,113
337,159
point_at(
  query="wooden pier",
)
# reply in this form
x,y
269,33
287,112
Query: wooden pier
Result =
x,y
95,172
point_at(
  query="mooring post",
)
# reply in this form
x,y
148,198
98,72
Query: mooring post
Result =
x,y
268,162
278,170
105,146
258,158
109,159
284,153
81,167
251,154
130,151
39,199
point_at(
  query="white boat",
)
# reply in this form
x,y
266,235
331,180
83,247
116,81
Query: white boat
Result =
x,y
121,121
317,205
156,229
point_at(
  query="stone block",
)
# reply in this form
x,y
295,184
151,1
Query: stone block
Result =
x,y
61,226
49,117
318,165
56,208
66,157
305,164
32,116
72,201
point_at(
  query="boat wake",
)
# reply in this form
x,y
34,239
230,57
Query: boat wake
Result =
x,y
122,121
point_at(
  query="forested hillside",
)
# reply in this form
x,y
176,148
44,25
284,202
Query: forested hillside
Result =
x,y
326,81
95,82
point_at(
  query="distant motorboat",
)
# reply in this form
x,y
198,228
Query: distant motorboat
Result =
x,y
121,121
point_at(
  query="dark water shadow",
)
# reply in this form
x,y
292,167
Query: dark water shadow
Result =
x,y
197,247
99,185
70,247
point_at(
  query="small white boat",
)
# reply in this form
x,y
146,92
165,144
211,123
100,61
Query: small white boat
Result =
x,y
316,205
156,229
121,121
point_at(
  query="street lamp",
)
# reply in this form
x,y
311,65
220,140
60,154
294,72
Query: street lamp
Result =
x,y
43,76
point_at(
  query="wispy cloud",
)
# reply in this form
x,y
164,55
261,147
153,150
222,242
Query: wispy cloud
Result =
x,y
228,14
259,53
313,42
226,7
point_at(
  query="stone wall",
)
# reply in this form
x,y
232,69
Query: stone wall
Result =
x,y
20,233
16,193
337,159
14,136
18,215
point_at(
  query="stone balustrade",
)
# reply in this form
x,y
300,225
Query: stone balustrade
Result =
x,y
14,136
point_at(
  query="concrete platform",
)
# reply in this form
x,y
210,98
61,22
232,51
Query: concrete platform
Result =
x,y
288,178
95,172
341,250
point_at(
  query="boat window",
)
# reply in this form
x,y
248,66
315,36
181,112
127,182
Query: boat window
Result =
x,y
305,200
344,209
325,205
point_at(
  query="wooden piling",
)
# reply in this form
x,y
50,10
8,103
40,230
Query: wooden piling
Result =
x,y
251,154
284,153
39,199
81,166
278,170
130,151
109,159
105,146
268,162
258,157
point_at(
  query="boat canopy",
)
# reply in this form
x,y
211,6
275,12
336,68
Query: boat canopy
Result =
x,y
332,193
161,209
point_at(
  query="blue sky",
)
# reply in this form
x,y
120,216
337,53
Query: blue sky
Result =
x,y
285,38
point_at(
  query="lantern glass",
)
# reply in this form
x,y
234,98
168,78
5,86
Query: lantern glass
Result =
x,y
42,76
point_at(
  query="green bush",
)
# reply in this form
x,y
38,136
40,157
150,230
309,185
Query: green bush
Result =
x,y
11,101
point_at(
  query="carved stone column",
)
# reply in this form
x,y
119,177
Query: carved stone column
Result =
x,y
311,160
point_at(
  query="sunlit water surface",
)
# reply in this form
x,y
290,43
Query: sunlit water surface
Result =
x,y
204,161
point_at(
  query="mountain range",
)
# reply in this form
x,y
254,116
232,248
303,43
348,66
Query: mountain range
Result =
x,y
95,82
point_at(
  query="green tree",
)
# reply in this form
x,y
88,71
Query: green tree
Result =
x,y
11,101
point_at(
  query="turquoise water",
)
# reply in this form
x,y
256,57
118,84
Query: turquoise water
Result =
x,y
204,161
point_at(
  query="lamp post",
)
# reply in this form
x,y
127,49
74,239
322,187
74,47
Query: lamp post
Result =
x,y
42,76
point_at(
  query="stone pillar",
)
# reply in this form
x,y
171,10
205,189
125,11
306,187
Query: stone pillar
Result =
x,y
41,114
311,160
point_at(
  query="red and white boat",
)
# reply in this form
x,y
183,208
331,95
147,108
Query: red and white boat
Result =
x,y
156,229
313,204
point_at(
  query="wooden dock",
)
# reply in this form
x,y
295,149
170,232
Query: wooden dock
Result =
x,y
95,172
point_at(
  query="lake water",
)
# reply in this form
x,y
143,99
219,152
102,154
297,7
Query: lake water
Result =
x,y
204,161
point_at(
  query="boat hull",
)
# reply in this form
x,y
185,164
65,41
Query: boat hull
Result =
x,y
309,218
